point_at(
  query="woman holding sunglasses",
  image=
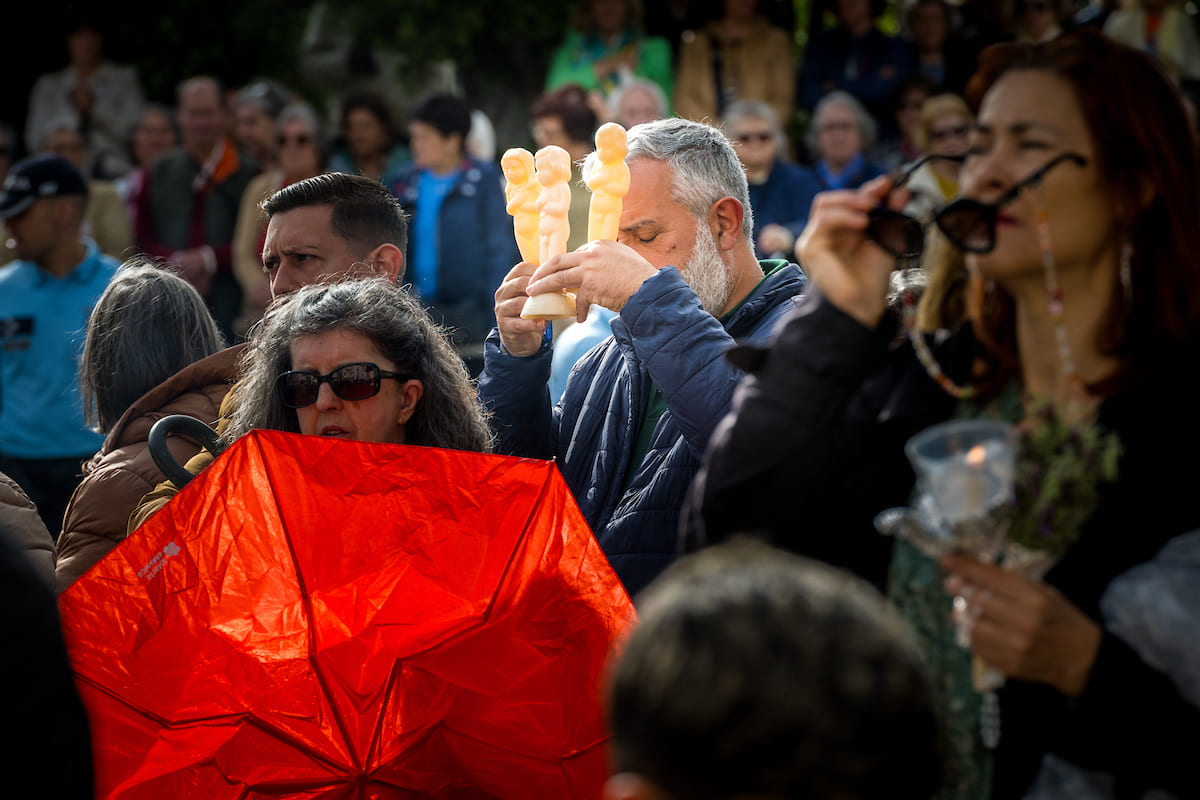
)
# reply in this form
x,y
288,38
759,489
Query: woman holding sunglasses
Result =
x,y
358,360
1079,216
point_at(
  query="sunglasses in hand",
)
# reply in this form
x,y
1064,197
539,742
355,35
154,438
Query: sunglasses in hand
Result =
x,y
357,381
970,225
900,235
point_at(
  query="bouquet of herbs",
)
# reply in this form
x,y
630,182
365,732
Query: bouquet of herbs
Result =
x,y
1060,469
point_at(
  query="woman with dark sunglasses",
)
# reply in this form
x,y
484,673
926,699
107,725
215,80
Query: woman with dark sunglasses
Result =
x,y
359,360
1075,260
945,123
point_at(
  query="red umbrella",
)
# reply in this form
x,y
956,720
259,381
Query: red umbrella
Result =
x,y
325,619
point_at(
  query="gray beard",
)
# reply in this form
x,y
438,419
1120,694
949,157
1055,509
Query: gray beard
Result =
x,y
707,274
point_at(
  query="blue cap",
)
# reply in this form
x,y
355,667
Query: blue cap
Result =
x,y
39,176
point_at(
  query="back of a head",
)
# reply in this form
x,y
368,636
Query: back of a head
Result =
x,y
570,105
754,672
147,325
447,113
704,166
364,212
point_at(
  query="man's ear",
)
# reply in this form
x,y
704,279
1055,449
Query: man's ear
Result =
x,y
389,262
725,220
631,786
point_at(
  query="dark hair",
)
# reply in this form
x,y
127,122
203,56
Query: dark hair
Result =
x,y
448,414
569,104
147,325
445,112
374,104
584,21
1135,115
364,212
756,672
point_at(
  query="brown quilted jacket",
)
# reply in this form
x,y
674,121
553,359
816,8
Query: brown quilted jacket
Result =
x,y
123,471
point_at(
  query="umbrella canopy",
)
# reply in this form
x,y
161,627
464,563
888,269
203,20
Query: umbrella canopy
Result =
x,y
315,618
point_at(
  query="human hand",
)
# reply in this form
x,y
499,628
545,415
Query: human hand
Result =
x,y
519,336
1024,628
775,239
851,270
603,272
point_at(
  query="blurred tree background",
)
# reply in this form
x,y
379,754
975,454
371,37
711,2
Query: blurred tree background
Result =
x,y
500,47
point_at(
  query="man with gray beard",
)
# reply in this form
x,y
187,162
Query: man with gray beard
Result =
x,y
638,409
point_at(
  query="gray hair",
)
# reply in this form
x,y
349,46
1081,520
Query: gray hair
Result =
x,y
704,166
757,109
305,113
147,325
268,96
448,414
866,123
645,84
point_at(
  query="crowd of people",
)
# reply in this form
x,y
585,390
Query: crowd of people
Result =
x,y
823,253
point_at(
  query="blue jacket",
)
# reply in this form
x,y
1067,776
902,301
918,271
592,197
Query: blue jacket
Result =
x,y
662,338
784,198
476,246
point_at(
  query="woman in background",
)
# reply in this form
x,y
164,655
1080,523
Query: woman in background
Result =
x,y
147,327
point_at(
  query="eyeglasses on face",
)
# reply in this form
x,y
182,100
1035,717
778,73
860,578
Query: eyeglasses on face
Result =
x,y
754,137
970,224
941,134
900,235
357,381
302,139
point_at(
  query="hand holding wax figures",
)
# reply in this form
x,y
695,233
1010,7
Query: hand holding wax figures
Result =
x,y
601,271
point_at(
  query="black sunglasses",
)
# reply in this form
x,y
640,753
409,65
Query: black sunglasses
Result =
x,y
357,381
970,225
900,235
303,140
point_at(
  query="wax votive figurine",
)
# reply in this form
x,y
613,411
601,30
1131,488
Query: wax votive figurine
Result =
x,y
608,181
522,192
553,169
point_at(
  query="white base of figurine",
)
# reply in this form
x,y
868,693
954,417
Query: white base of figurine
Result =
x,y
551,305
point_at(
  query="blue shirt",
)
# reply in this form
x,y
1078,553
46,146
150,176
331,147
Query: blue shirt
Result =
x,y
43,322
432,189
574,342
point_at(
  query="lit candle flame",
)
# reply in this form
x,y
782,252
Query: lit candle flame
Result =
x,y
975,455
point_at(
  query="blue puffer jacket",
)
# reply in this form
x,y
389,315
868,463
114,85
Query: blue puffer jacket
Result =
x,y
476,246
662,337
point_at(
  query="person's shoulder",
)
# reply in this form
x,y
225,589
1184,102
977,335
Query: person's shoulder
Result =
x,y
13,272
797,174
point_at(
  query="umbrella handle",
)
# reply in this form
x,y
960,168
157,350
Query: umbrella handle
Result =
x,y
182,425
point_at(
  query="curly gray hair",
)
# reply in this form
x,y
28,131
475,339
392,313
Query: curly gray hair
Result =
x,y
448,414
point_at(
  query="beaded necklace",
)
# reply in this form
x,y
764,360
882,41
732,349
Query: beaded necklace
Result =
x,y
1054,304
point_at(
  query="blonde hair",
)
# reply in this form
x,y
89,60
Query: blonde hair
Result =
x,y
934,107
